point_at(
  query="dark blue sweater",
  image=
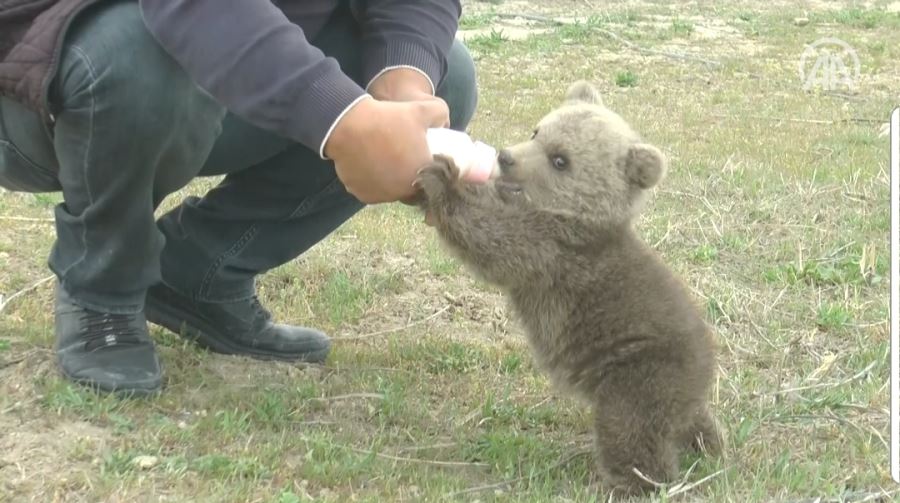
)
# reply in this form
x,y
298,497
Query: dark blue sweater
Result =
x,y
254,56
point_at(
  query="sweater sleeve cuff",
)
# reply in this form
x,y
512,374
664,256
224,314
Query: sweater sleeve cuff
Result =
x,y
335,123
402,53
408,67
321,106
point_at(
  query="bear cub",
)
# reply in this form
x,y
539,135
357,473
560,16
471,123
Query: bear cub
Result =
x,y
605,318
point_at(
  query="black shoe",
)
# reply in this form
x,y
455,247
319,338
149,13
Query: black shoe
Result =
x,y
107,352
236,328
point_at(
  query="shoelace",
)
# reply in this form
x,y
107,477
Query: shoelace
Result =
x,y
101,330
259,309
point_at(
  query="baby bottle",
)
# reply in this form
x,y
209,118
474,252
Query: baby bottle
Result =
x,y
477,161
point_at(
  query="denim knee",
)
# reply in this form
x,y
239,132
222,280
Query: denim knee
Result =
x,y
459,88
111,61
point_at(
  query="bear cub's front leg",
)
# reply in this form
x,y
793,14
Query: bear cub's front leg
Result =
x,y
437,181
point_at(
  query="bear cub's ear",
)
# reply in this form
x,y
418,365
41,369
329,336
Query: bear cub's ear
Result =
x,y
645,165
584,91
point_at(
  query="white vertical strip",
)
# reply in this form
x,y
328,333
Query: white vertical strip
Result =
x,y
895,293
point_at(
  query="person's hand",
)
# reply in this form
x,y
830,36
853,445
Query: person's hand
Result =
x,y
378,147
403,84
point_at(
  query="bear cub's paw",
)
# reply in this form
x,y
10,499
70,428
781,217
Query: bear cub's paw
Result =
x,y
437,178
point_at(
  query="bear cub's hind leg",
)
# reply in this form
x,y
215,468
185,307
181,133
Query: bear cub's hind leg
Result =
x,y
624,441
704,434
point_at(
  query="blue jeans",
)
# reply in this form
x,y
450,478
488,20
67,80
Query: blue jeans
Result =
x,y
133,128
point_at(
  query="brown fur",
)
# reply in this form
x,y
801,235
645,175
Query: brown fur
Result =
x,y
605,318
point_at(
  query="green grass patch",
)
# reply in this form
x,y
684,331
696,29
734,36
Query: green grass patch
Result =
x,y
488,42
626,79
474,21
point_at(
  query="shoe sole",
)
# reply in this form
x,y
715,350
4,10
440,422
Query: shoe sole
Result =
x,y
198,331
137,391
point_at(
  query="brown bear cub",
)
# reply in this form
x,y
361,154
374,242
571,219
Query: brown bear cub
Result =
x,y
605,318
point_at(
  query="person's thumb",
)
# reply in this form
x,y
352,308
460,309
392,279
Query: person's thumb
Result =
x,y
434,113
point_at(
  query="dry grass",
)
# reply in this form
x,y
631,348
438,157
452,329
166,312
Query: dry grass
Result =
x,y
775,213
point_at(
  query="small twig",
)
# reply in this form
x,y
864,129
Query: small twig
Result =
x,y
22,357
664,237
470,416
869,325
498,485
851,497
838,419
312,422
393,330
487,487
532,17
428,447
673,55
856,197
416,460
681,489
542,402
646,478
874,496
800,120
677,487
27,219
856,376
6,301
19,405
833,255
349,396
10,363
364,369
863,120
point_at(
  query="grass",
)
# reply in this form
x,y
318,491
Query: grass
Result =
x,y
476,21
777,225
626,79
864,18
682,28
487,42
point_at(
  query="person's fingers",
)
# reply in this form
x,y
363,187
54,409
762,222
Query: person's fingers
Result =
x,y
407,193
360,195
434,112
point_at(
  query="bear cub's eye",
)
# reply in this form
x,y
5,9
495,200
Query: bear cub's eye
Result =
x,y
534,133
560,162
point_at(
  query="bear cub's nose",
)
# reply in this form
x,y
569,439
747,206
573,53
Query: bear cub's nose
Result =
x,y
505,159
